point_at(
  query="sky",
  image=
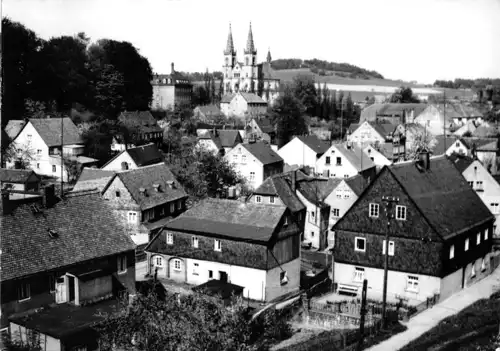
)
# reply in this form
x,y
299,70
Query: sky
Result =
x,y
420,40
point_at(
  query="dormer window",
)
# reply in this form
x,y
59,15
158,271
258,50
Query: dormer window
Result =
x,y
285,223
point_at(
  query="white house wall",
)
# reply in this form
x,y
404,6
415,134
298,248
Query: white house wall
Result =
x,y
343,204
345,170
244,168
116,164
365,134
377,158
295,152
273,284
312,230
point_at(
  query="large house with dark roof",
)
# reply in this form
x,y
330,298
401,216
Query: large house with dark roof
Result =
x,y
261,129
485,150
241,104
303,151
219,140
133,158
392,112
207,113
93,179
255,161
62,262
145,198
440,233
39,142
254,246
170,90
145,126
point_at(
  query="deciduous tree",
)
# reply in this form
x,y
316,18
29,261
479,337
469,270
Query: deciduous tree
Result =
x,y
304,89
403,95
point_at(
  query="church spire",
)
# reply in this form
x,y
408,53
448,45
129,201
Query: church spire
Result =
x,y
250,49
229,46
269,59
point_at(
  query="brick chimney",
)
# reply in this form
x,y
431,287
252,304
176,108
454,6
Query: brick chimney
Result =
x,y
6,203
172,70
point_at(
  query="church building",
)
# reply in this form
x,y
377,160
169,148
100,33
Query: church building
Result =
x,y
248,76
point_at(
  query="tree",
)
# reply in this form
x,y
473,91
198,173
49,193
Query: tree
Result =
x,y
260,87
109,94
333,105
213,97
325,103
349,107
21,156
403,95
268,93
421,141
73,169
221,90
304,89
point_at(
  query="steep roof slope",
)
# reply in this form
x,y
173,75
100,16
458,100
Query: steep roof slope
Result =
x,y
92,178
50,131
263,152
145,155
319,146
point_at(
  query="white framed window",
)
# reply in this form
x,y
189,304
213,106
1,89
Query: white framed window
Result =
x,y
401,213
483,265
472,270
158,261
466,245
179,204
486,233
177,264
471,184
235,157
336,212
117,193
196,267
479,185
412,283
258,199
24,292
478,238
359,244
29,136
285,223
54,168
170,238
217,245
122,264
495,208
172,207
194,241
374,210
39,151
210,274
38,166
271,199
391,247
339,194
452,251
132,217
243,158
359,274
252,175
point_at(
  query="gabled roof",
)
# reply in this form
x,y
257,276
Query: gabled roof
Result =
x,y
229,138
481,144
467,127
263,152
145,155
265,125
86,226
313,189
144,178
442,144
457,110
370,113
357,184
227,98
231,219
209,110
93,178
49,130
461,162
317,145
144,118
253,98
16,175
384,129
209,135
280,185
14,127
484,132
355,156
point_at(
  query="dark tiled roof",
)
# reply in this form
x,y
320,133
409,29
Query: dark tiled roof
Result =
x,y
319,146
144,178
485,132
482,144
280,185
144,118
13,128
356,157
371,112
442,195
145,155
50,131
357,184
231,219
263,152
314,189
461,162
229,138
212,136
265,125
87,228
253,98
352,128
458,111
442,144
227,98
384,129
93,178
16,175
209,110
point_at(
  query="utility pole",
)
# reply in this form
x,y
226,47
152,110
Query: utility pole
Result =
x,y
363,314
62,156
389,201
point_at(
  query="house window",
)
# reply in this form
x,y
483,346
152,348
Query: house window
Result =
x,y
39,151
486,232
172,208
24,292
170,238
271,199
472,270
179,204
29,136
374,210
162,211
339,161
466,246
243,158
38,166
252,176
132,217
412,283
194,241
327,161
494,208
483,265
478,238
196,267
452,251
479,185
360,244
312,217
122,264
158,262
471,184
339,195
359,274
283,278
285,223
210,274
217,245
401,213
54,169
346,195
117,193
391,248
258,199
235,157
457,144
52,283
336,212
177,265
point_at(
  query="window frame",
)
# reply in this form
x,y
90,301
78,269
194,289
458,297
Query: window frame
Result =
x,y
338,161
195,242
356,244
132,214
359,274
172,207
177,261
327,160
392,247
258,199
336,212
170,238
376,210
486,234
473,270
452,252
412,283
403,213
478,238
52,283
160,259
466,244
217,245
271,199
122,261
54,168
196,266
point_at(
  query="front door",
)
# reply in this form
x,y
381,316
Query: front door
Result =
x,y
223,276
60,290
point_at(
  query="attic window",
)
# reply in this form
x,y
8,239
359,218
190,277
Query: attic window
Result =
x,y
171,184
157,187
143,191
53,234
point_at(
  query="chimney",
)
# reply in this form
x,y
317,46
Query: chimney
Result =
x,y
49,195
294,180
172,71
424,159
6,203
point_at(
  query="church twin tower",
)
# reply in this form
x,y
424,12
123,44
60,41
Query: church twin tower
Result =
x,y
241,76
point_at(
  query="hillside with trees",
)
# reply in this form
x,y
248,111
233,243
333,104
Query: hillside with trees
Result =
x,y
324,68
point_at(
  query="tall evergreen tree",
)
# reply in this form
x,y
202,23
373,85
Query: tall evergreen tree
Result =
x,y
213,93
340,104
221,90
349,106
325,103
333,105
319,110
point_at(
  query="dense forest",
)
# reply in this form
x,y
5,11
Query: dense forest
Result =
x,y
326,68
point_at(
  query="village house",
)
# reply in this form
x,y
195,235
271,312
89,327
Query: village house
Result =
x,y
378,156
62,262
218,141
133,158
254,246
467,128
440,234
261,129
207,113
303,151
118,143
345,160
485,149
93,179
486,187
145,198
170,90
19,180
394,113
143,125
255,161
39,144
240,104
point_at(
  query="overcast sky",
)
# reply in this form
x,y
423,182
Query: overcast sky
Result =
x,y
421,40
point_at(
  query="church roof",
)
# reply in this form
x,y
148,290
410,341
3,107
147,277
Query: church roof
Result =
x,y
250,49
229,45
